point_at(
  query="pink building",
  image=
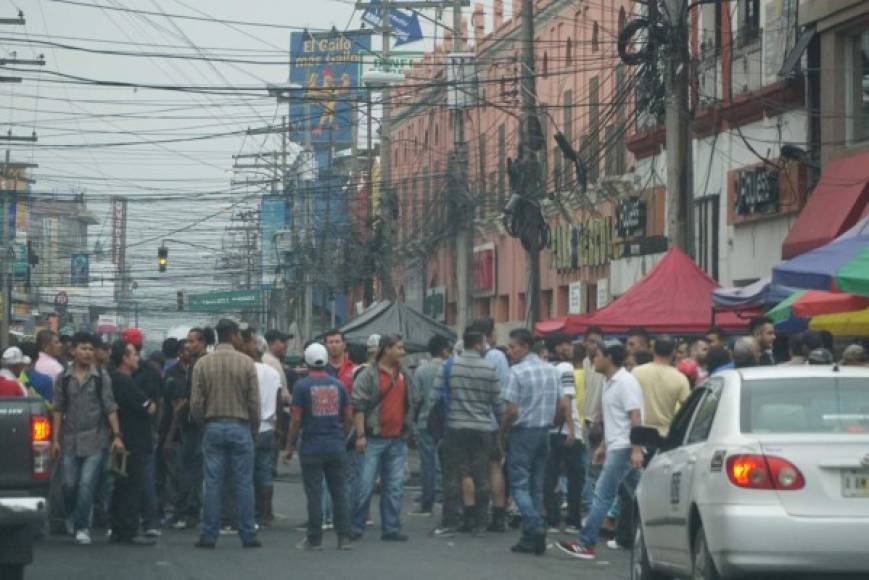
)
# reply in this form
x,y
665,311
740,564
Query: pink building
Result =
x,y
583,90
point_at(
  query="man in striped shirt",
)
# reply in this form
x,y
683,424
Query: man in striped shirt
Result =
x,y
470,386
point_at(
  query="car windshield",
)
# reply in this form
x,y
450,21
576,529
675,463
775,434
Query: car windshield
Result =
x,y
805,405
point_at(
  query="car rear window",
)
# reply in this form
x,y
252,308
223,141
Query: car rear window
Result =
x,y
809,405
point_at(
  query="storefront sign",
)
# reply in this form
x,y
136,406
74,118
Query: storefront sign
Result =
x,y
435,303
484,270
757,191
588,244
574,304
631,218
603,292
228,301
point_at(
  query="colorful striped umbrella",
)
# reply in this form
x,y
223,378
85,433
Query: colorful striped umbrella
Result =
x,y
842,265
843,324
805,304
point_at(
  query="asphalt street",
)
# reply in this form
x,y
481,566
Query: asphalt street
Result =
x,y
423,557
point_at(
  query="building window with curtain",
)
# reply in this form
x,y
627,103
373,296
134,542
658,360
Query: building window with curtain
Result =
x,y
857,86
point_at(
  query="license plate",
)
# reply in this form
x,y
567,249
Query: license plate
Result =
x,y
855,483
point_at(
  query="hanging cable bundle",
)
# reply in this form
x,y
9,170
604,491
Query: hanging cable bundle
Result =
x,y
524,219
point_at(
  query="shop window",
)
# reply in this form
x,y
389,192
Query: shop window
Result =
x,y
748,13
857,86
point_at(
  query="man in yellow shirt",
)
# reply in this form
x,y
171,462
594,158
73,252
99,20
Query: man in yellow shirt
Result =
x,y
664,387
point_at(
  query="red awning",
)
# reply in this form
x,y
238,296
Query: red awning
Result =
x,y
675,297
549,326
838,201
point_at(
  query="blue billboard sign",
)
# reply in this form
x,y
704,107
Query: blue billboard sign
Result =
x,y
328,65
403,24
273,218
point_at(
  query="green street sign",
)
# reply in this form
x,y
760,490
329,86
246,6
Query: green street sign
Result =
x,y
397,62
228,301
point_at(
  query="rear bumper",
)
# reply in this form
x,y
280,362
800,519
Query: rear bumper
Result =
x,y
22,511
764,538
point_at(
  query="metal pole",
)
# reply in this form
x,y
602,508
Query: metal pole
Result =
x,y
308,304
369,286
529,105
5,279
464,214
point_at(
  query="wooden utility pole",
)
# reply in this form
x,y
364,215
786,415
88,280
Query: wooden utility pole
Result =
x,y
680,181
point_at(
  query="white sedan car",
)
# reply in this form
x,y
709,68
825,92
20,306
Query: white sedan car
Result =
x,y
764,471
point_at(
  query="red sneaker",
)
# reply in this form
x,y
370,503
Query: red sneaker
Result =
x,y
576,550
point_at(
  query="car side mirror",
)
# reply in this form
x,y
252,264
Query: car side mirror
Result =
x,y
646,437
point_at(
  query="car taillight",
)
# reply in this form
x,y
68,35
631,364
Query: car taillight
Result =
x,y
764,472
40,435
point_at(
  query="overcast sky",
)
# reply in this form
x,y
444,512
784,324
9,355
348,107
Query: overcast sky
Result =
x,y
74,121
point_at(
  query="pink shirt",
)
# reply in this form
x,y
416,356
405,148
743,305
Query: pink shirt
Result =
x,y
48,365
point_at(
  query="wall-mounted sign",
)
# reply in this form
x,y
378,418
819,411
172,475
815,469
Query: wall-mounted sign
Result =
x,y
435,303
603,292
757,191
574,303
631,219
484,270
587,244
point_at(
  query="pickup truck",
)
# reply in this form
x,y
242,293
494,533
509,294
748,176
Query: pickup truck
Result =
x,y
25,471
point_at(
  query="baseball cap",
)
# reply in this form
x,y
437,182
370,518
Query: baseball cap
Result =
x,y
14,356
820,356
316,355
854,353
134,336
273,335
373,342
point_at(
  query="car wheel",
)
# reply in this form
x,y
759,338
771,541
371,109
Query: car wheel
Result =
x,y
641,569
704,567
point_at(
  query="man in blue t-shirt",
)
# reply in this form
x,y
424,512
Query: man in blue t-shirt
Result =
x,y
321,410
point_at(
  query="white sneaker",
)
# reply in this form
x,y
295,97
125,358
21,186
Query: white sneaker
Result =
x,y
153,533
83,538
613,545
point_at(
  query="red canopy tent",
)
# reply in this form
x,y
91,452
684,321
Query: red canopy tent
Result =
x,y
675,296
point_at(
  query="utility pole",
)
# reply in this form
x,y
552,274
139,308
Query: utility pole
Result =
x,y
388,199
680,180
464,214
528,155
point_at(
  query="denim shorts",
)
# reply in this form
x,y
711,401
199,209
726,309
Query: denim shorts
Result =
x,y
263,474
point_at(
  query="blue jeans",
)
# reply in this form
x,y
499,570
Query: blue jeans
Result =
x,y
429,467
616,467
352,467
384,457
591,471
150,505
81,475
228,442
263,474
526,465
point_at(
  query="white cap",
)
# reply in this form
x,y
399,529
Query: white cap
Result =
x,y
373,341
316,355
14,356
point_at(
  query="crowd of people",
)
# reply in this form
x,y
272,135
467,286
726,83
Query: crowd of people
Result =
x,y
535,434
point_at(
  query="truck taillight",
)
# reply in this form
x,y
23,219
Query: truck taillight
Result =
x,y
764,472
40,428
40,435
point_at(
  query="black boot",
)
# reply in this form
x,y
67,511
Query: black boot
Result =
x,y
499,520
468,520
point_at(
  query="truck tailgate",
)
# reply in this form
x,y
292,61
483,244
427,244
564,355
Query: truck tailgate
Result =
x,y
16,460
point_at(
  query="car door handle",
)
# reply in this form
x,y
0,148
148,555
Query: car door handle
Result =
x,y
692,459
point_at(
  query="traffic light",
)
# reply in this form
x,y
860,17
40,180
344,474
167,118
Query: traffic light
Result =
x,y
162,258
179,299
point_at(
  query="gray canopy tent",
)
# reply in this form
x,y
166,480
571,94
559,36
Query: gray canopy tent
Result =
x,y
395,318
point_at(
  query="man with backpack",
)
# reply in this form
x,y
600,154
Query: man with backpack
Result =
x,y
469,392
85,424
